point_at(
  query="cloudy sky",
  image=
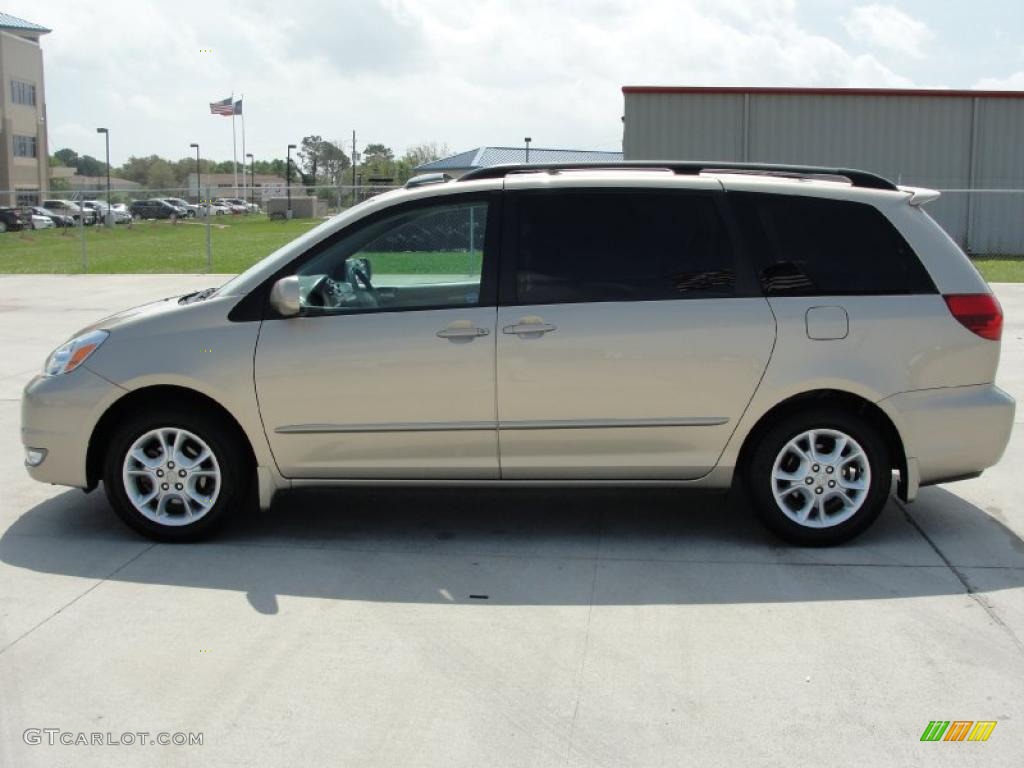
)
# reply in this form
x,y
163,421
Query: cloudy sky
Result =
x,y
474,72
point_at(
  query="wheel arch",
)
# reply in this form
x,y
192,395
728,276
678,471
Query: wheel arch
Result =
x,y
160,394
847,401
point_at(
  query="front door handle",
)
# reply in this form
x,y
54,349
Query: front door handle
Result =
x,y
529,326
462,329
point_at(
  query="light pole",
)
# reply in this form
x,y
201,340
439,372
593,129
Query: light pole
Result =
x,y
252,179
110,213
288,179
527,140
199,180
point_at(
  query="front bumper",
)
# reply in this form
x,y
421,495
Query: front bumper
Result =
x,y
954,432
58,415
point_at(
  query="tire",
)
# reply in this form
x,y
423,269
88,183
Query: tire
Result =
x,y
226,476
854,484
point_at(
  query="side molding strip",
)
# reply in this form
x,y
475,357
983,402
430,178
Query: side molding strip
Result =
x,y
464,426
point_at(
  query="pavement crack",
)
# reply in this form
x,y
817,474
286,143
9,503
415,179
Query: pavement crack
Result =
x,y
586,643
978,597
71,602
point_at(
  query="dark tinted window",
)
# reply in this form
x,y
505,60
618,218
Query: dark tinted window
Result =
x,y
621,246
814,246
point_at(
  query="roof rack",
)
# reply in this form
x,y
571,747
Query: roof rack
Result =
x,y
691,168
427,178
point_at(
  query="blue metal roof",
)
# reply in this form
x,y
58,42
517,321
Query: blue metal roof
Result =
x,y
13,22
485,157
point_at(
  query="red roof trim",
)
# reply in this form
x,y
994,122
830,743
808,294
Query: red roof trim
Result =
x,y
696,89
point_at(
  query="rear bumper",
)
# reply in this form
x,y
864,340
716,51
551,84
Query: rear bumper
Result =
x,y
954,432
58,414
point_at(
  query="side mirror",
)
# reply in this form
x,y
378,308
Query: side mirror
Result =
x,y
284,296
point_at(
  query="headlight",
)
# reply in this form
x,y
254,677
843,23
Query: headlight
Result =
x,y
66,358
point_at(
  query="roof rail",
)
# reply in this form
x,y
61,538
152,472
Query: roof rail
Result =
x,y
427,178
691,168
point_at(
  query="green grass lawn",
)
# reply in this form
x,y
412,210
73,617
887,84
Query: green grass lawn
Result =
x,y
238,242
1001,269
149,246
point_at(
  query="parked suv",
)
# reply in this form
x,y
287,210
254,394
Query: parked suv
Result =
x,y
662,324
68,208
155,209
11,220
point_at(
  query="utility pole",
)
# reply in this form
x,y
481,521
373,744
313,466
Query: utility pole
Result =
x,y
288,179
109,217
355,162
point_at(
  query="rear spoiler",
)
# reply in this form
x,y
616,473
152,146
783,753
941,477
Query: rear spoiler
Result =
x,y
920,195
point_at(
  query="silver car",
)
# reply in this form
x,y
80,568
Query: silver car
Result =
x,y
808,332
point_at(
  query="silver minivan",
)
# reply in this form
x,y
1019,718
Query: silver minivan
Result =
x,y
809,332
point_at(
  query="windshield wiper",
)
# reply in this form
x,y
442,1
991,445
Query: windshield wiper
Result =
x,y
190,298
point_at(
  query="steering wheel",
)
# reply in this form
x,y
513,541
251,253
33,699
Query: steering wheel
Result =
x,y
364,280
322,293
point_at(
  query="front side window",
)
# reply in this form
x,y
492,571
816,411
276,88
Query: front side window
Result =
x,y
426,257
811,246
24,146
621,245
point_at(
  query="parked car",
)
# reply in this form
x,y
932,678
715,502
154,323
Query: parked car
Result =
x,y
245,205
190,209
155,208
217,209
75,211
58,219
805,336
235,207
11,220
37,220
99,207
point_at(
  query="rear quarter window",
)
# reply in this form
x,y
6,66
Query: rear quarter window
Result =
x,y
806,246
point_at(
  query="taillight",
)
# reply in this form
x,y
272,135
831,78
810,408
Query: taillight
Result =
x,y
978,312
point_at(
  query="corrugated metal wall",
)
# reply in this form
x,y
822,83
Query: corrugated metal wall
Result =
x,y
922,140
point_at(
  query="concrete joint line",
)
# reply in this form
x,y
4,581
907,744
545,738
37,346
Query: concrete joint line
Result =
x,y
71,602
976,596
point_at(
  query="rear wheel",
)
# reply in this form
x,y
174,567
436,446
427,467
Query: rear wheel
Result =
x,y
173,475
820,477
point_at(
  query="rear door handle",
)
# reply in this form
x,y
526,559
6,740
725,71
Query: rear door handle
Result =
x,y
458,331
529,325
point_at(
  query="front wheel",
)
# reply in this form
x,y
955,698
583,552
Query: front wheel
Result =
x,y
820,477
174,476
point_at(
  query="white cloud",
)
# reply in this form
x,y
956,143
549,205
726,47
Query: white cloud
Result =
x,y
405,71
1013,82
888,28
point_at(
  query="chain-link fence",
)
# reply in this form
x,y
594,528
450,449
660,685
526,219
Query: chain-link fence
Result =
x,y
225,230
161,230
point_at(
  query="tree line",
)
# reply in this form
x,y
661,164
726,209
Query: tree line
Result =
x,y
318,161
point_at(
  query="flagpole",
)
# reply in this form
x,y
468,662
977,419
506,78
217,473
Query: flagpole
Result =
x,y
242,100
234,145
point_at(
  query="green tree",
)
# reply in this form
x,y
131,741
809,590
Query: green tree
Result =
x,y
66,157
160,175
87,165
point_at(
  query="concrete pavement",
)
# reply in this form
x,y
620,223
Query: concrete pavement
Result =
x,y
499,628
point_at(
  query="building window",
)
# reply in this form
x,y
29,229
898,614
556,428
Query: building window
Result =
x,y
24,146
23,93
26,197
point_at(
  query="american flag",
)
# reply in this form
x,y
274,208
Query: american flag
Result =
x,y
226,107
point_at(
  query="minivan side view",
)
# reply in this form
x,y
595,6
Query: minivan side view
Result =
x,y
803,333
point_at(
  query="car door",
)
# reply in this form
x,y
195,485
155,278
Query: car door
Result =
x,y
388,371
630,335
